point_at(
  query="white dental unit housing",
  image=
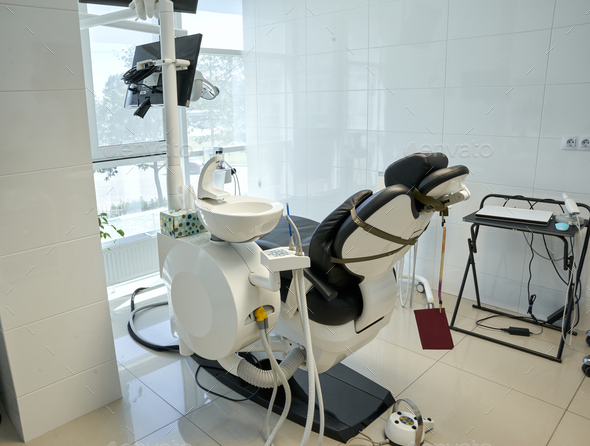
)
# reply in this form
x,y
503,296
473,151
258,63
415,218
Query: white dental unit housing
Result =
x,y
238,288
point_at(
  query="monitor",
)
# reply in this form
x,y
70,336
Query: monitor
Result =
x,y
148,92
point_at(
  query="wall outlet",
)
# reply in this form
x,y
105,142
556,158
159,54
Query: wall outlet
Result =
x,y
584,142
569,142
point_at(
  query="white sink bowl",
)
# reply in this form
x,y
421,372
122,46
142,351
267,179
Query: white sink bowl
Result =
x,y
239,219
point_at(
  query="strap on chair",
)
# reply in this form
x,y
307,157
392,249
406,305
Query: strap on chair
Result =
x,y
431,201
377,233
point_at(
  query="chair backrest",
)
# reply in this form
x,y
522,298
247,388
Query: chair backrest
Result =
x,y
393,210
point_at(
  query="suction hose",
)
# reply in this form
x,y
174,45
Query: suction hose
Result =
x,y
265,378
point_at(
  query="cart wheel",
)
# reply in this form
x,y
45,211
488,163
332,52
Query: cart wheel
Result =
x,y
420,288
586,369
588,340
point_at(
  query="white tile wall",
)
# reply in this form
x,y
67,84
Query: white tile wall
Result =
x,y
69,276
54,117
56,340
494,84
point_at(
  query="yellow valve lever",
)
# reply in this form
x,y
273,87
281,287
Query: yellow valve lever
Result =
x,y
260,314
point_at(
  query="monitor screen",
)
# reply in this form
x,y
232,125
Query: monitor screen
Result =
x,y
179,5
187,48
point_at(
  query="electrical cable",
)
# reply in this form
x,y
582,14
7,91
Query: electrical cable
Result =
x,y
478,323
365,437
134,76
235,400
172,347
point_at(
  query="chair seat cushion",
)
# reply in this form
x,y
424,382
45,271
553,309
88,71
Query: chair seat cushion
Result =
x,y
346,307
349,303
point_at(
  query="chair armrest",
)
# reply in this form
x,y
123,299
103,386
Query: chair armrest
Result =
x,y
327,291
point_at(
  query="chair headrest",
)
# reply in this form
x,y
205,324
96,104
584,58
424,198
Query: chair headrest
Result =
x,y
412,169
440,176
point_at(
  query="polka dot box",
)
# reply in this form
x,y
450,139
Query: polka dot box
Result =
x,y
180,223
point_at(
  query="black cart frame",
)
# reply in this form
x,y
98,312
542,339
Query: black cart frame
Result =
x,y
568,260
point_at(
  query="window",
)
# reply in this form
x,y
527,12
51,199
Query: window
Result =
x,y
128,152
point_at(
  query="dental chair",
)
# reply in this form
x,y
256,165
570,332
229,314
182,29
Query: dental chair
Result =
x,y
350,289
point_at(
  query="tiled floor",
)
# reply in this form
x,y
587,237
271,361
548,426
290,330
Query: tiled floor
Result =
x,y
478,393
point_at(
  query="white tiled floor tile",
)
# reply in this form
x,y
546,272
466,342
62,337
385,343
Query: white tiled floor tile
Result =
x,y
573,430
538,377
403,331
389,365
466,408
471,19
579,404
244,423
179,432
134,416
173,379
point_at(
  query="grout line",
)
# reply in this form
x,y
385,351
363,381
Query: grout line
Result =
x,y
543,99
68,377
51,169
25,325
555,430
442,136
43,247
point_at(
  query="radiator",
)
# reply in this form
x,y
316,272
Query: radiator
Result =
x,y
130,258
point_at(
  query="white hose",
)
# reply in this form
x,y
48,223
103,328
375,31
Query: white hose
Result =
x,y
281,376
311,368
265,378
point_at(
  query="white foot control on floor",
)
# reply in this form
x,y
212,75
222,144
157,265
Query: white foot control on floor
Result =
x,y
406,428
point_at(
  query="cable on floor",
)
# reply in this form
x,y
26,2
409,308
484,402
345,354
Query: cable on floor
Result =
x,y
171,347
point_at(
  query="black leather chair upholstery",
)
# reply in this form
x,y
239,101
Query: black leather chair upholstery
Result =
x,y
335,297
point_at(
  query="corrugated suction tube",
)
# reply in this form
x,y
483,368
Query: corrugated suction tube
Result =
x,y
265,378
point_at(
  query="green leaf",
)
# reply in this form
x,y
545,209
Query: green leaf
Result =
x,y
120,232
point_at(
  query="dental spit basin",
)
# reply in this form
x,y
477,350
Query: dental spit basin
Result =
x,y
239,219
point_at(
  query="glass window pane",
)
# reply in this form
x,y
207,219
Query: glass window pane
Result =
x,y
132,196
220,29
112,52
222,121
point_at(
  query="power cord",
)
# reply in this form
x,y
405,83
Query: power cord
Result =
x,y
172,347
365,437
518,331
